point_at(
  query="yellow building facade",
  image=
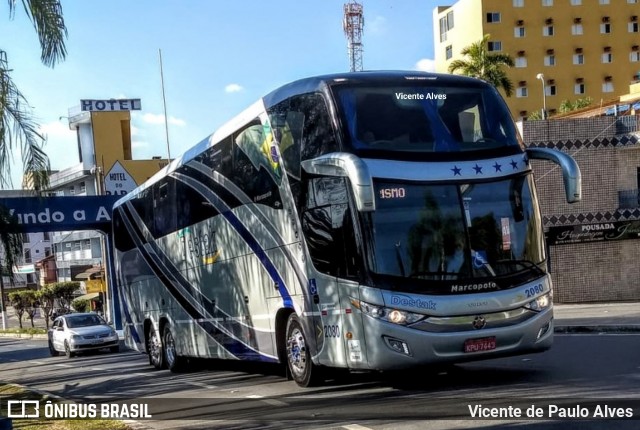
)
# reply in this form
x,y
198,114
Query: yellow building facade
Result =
x,y
563,49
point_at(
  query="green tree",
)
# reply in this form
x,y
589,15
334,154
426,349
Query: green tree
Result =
x,y
486,65
63,292
47,297
30,300
11,244
17,301
80,305
18,129
568,105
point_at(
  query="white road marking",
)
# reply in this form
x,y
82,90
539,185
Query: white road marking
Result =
x,y
355,427
272,402
201,385
63,365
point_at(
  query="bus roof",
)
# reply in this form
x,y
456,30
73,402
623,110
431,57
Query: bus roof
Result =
x,y
301,86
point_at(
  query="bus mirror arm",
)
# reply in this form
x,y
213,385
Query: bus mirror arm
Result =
x,y
342,164
570,170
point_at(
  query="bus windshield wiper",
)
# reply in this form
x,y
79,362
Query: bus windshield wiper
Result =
x,y
399,259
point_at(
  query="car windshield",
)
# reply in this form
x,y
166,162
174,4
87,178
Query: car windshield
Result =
x,y
84,321
456,231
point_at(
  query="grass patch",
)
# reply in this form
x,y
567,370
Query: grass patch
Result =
x,y
29,331
12,392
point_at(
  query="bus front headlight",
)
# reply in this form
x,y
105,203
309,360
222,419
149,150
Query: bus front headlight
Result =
x,y
540,303
395,316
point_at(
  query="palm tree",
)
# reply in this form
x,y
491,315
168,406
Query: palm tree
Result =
x,y
481,63
18,129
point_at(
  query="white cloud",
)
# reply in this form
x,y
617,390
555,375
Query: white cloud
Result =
x,y
135,131
139,144
56,129
233,88
152,118
426,65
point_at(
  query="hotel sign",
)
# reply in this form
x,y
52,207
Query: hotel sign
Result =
x,y
110,105
600,232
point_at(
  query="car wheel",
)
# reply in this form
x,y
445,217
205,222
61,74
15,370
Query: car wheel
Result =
x,y
154,349
175,362
302,369
67,350
52,350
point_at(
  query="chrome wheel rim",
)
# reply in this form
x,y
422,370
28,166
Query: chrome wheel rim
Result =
x,y
297,352
169,348
155,350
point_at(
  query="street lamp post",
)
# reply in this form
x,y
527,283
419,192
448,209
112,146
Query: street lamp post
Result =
x,y
544,96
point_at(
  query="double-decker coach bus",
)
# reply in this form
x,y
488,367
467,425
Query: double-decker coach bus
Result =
x,y
370,220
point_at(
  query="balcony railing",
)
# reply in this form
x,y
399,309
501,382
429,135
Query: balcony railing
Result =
x,y
628,199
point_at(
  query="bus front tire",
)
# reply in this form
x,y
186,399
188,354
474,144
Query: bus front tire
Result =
x,y
301,367
174,362
154,349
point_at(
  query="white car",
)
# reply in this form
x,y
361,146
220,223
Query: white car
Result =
x,y
79,332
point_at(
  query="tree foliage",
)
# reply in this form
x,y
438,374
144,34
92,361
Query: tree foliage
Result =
x,y
486,65
18,129
568,105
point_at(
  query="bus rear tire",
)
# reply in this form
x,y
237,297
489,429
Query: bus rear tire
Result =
x,y
155,350
301,367
174,362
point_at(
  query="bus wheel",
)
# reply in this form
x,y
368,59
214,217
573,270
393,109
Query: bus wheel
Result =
x,y
302,369
154,349
175,362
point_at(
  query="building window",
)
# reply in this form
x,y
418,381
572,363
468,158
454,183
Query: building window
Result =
x,y
576,2
521,62
29,278
550,60
576,29
632,27
446,24
607,87
634,56
632,1
605,28
27,256
518,32
495,46
578,58
547,30
493,17
448,52
578,88
25,238
607,57
47,251
518,3
83,187
72,190
547,2
46,236
604,1
550,90
521,92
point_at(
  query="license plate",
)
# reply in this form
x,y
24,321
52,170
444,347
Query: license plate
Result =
x,y
478,345
97,342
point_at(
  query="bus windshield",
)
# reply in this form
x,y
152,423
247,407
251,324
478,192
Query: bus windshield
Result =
x,y
425,118
456,231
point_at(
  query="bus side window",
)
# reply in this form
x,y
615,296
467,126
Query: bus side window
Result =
x,y
328,227
164,207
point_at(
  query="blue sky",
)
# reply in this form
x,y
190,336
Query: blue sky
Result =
x,y
218,57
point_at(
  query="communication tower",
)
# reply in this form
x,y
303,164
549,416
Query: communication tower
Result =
x,y
352,23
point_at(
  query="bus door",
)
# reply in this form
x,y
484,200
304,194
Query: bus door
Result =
x,y
327,225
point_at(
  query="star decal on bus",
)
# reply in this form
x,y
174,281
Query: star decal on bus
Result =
x,y
514,164
456,171
498,167
478,169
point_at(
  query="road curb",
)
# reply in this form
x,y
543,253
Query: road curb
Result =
x,y
24,336
591,329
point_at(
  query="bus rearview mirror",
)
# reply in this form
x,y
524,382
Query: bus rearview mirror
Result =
x,y
570,170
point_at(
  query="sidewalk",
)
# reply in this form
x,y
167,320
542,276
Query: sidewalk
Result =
x,y
598,318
